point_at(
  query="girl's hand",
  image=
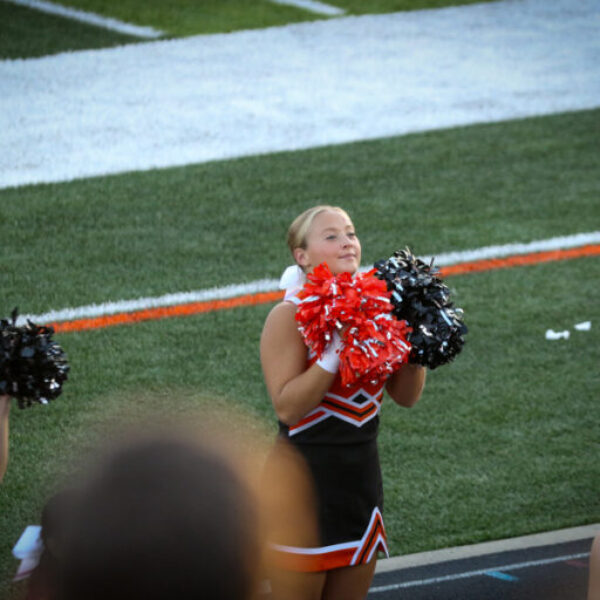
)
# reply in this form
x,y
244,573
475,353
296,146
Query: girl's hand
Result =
x,y
406,384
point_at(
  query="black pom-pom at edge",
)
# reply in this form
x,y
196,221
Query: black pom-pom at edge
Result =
x,y
421,298
33,367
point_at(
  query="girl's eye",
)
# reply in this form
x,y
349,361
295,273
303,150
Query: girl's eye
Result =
x,y
351,234
331,237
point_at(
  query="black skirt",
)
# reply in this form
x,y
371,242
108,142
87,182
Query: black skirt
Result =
x,y
347,480
349,504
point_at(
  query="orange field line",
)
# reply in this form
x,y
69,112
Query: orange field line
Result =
x,y
194,308
520,260
177,310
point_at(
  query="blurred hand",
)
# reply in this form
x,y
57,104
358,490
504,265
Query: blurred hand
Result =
x,y
4,404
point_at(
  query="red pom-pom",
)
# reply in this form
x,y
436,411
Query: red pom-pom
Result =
x,y
359,308
374,350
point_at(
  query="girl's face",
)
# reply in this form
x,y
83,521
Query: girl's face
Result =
x,y
331,239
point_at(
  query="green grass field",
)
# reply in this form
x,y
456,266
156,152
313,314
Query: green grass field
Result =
x,y
505,439
186,17
219,223
176,19
53,34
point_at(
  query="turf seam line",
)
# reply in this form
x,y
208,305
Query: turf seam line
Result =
x,y
90,18
259,292
320,8
180,310
498,251
454,263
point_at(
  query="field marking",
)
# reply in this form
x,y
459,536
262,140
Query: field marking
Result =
x,y
91,18
521,260
177,310
319,8
501,575
262,291
335,81
577,564
469,574
499,251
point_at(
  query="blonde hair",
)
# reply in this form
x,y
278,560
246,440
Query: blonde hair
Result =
x,y
298,230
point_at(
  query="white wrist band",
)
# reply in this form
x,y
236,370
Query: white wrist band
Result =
x,y
330,359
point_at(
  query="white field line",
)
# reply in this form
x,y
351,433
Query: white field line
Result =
x,y
267,285
170,103
556,243
469,574
91,18
319,8
124,306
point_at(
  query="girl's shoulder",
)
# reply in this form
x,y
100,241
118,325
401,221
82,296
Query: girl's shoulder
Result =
x,y
281,326
283,310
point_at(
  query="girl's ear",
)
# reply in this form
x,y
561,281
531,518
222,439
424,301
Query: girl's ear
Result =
x,y
301,257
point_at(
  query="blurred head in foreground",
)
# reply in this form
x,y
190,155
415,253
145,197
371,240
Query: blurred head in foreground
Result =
x,y
162,517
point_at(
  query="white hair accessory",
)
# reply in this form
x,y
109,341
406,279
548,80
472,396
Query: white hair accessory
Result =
x,y
292,277
291,281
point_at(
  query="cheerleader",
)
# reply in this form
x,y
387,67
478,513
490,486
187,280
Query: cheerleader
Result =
x,y
333,427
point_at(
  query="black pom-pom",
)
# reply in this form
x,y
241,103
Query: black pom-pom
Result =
x,y
422,299
33,367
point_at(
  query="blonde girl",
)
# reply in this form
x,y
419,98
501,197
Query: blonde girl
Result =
x,y
333,427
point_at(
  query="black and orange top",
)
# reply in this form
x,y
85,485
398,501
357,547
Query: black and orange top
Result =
x,y
346,415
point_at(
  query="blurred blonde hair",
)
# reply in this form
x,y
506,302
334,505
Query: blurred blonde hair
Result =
x,y
298,230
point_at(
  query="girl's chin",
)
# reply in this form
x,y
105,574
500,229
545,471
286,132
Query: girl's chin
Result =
x,y
342,269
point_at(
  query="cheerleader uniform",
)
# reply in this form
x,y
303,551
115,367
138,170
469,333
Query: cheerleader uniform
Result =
x,y
338,441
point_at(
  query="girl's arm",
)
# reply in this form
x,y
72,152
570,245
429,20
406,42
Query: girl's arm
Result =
x,y
4,412
406,384
294,389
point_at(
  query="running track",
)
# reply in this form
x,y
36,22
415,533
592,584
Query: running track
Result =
x,y
552,566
